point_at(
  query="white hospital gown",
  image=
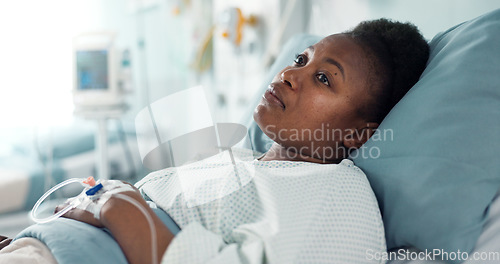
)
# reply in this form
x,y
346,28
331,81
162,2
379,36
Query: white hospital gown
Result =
x,y
241,210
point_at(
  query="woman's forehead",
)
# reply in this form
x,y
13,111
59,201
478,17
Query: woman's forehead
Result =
x,y
338,43
344,49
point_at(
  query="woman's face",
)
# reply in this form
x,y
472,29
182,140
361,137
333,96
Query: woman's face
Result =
x,y
312,105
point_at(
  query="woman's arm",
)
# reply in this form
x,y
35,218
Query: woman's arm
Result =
x,y
129,227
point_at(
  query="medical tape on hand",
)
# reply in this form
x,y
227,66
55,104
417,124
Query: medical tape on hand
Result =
x,y
93,202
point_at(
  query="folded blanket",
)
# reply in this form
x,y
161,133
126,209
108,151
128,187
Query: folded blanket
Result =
x,y
26,250
75,242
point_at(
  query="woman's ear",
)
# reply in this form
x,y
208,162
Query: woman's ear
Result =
x,y
359,136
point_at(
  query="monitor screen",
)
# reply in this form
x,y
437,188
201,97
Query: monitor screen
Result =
x,y
92,70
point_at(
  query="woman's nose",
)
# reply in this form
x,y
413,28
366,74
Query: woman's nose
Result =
x,y
291,78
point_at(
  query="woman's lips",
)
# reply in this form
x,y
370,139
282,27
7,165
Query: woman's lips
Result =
x,y
271,97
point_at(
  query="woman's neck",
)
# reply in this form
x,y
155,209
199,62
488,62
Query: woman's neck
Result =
x,y
278,152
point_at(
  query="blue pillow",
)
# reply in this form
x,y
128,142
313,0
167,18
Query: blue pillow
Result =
x,y
437,176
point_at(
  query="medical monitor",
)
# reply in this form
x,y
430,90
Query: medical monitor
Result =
x,y
95,81
92,71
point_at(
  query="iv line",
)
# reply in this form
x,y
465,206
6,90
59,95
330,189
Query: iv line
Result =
x,y
49,192
74,204
152,228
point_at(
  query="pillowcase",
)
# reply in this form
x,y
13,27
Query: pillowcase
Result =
x,y
437,170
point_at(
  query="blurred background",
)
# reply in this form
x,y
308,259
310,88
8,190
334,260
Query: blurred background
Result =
x,y
60,119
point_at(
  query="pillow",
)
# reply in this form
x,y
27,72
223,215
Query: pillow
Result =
x,y
436,176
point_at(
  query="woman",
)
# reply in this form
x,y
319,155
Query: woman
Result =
x,y
304,202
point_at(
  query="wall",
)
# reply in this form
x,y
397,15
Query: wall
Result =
x,y
37,33
431,16
238,70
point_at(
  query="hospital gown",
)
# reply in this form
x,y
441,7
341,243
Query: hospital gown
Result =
x,y
235,209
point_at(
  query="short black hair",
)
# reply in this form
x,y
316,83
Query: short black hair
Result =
x,y
398,55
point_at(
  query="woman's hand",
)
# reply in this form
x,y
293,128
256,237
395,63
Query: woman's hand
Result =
x,y
88,217
129,226
80,215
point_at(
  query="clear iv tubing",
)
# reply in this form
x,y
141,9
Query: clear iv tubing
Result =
x,y
154,253
152,228
49,192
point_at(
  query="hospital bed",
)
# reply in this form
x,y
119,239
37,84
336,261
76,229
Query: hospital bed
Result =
x,y
437,178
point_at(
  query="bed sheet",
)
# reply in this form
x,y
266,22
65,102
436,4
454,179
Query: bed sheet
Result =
x,y
27,251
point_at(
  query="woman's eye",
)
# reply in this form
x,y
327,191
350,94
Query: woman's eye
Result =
x,y
323,79
300,59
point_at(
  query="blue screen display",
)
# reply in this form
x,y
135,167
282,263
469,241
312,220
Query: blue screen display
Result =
x,y
92,69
